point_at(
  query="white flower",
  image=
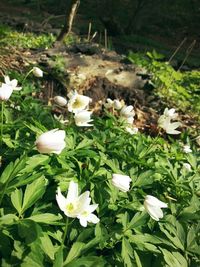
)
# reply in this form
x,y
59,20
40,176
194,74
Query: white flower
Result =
x,y
88,216
61,101
166,124
75,206
127,111
51,142
11,83
82,118
109,103
153,207
187,149
117,104
37,72
132,130
170,113
121,182
78,102
129,120
5,92
187,167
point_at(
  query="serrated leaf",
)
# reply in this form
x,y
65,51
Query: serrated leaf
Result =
x,y
47,246
171,234
74,252
127,252
33,192
16,199
145,178
139,219
46,218
169,258
137,259
12,170
6,173
84,143
88,261
58,262
35,257
35,161
8,219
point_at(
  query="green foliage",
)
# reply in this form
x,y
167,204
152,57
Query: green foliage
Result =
x,y
32,227
24,39
178,88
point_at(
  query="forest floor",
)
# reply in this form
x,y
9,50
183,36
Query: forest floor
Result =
x,y
86,67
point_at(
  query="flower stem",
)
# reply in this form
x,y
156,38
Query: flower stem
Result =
x,y
65,231
27,75
2,112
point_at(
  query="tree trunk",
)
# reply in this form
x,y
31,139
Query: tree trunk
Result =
x,y
133,20
69,18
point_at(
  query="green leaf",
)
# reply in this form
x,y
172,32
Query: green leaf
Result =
x,y
6,173
84,143
58,262
16,199
33,192
47,246
171,234
88,261
145,178
74,252
137,259
139,219
13,169
8,219
46,218
35,161
35,257
170,259
127,253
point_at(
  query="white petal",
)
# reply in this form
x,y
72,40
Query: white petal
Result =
x,y
92,207
155,212
153,201
14,83
51,141
72,194
61,200
84,201
7,79
83,221
5,92
92,218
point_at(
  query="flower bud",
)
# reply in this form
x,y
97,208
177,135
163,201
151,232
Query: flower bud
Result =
x,y
82,118
61,101
37,72
117,104
51,142
127,111
5,92
187,167
122,182
153,207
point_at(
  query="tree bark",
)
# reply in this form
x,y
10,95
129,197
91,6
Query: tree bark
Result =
x,y
69,18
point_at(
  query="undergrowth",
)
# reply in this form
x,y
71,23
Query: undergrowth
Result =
x,y
178,88
35,232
